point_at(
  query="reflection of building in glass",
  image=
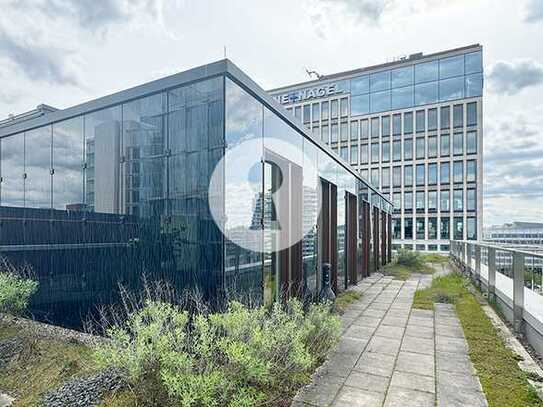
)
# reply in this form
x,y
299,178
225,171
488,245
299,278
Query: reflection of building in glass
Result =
x,y
414,128
121,187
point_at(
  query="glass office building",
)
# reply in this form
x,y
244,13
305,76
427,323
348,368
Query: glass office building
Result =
x,y
99,194
414,129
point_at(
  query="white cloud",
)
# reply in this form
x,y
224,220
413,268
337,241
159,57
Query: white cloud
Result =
x,y
512,77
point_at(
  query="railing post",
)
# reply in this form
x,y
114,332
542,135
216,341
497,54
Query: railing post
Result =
x,y
478,265
491,274
464,256
468,259
518,291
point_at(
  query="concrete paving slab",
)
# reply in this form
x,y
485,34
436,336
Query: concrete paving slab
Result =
x,y
418,345
413,381
353,397
453,345
381,344
419,332
428,322
376,363
368,321
367,381
390,331
415,363
394,321
401,397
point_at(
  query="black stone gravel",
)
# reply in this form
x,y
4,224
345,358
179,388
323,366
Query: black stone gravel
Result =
x,y
84,392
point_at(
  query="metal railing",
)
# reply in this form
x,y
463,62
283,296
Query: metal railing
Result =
x,y
510,276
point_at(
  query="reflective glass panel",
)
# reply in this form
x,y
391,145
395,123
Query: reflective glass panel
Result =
x,y
472,199
426,93
360,85
450,67
458,115
458,200
408,201
432,119
445,117
426,72
385,126
380,101
380,81
471,142
12,185
402,97
354,130
458,172
360,105
37,160
471,113
408,149
432,174
471,171
102,160
386,151
445,145
408,122
402,76
445,172
450,89
364,129
432,146
458,143
474,85
474,62
397,124
68,161
445,200
420,174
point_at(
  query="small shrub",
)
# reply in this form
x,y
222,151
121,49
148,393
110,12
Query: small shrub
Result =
x,y
15,288
409,258
241,357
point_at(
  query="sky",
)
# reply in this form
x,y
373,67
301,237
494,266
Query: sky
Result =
x,y
63,52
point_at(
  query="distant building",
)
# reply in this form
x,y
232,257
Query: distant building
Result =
x,y
414,128
516,233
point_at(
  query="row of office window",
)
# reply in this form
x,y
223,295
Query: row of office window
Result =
x,y
423,174
432,228
420,148
383,126
421,201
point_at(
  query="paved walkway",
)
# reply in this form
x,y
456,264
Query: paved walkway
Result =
x,y
393,355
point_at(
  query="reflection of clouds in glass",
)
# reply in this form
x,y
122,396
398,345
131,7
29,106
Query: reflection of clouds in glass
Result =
x,y
12,167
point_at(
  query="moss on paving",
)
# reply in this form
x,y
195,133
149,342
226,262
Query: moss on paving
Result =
x,y
43,365
344,299
504,383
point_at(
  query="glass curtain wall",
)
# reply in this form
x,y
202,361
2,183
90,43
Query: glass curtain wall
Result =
x,y
124,191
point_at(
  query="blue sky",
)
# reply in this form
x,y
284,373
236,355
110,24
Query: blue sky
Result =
x,y
64,52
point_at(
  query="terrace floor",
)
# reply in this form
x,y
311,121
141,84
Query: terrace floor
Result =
x,y
393,355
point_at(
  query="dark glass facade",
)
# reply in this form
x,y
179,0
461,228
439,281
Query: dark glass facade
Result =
x,y
101,195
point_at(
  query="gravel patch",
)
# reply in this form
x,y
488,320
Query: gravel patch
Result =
x,y
83,392
9,348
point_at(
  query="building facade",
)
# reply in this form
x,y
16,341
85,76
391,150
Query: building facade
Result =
x,y
414,129
98,194
515,234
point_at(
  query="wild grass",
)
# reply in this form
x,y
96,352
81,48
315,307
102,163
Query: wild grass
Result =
x,y
42,365
344,299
